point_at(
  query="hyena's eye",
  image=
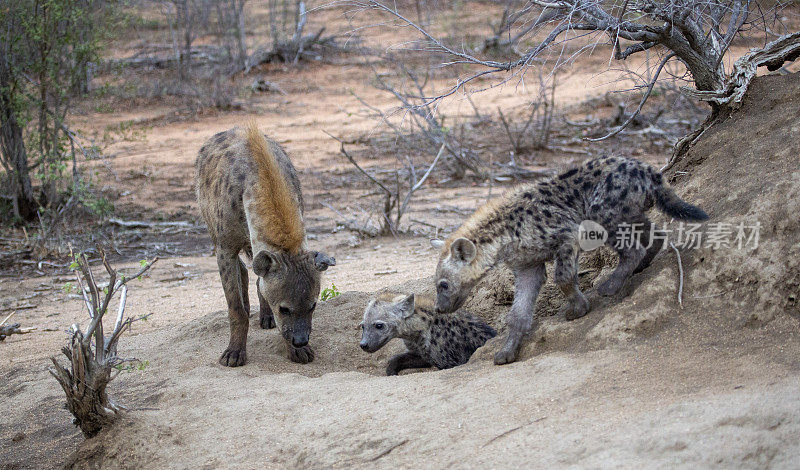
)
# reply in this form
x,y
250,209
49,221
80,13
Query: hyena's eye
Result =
x,y
443,285
378,326
285,311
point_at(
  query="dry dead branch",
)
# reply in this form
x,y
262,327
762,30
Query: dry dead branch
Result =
x,y
698,33
393,208
145,224
12,329
90,364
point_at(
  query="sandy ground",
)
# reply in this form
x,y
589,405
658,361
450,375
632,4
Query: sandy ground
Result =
x,y
639,382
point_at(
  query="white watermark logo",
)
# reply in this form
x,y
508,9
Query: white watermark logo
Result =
x,y
715,235
591,235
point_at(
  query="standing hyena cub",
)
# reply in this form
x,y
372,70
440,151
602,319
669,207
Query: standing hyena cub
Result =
x,y
539,222
443,341
250,198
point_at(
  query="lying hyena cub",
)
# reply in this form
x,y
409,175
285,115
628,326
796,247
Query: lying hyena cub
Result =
x,y
539,222
443,341
250,198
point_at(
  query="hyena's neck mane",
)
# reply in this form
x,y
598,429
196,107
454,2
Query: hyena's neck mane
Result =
x,y
274,213
490,228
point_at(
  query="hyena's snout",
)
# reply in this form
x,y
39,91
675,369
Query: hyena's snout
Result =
x,y
299,332
369,347
299,340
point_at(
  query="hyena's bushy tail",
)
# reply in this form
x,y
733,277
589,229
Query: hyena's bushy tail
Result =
x,y
669,203
276,216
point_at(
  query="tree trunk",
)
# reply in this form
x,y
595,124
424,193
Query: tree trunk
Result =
x,y
12,147
241,37
85,386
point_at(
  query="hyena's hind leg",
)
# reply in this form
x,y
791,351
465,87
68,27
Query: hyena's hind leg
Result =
x,y
655,247
633,256
265,317
231,274
566,278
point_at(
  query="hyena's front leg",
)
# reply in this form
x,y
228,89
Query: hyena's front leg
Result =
x,y
265,317
229,270
407,360
527,283
566,278
244,283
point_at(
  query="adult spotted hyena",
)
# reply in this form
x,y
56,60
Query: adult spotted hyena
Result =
x,y
539,222
250,198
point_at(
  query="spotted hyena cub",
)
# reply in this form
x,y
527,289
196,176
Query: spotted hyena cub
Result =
x,y
538,222
443,341
250,198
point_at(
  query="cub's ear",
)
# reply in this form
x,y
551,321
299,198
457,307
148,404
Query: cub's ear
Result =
x,y
405,307
463,250
323,261
264,262
436,243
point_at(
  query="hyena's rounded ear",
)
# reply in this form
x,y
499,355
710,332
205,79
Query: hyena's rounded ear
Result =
x,y
436,243
323,261
406,306
264,262
463,250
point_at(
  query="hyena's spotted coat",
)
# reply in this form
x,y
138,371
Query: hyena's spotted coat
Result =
x,y
442,341
538,222
250,198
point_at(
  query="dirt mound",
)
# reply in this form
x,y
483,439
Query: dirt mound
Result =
x,y
639,381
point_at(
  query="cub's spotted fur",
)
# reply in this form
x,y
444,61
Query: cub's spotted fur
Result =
x,y
538,222
442,341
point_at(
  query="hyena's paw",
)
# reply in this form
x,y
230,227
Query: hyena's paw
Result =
x,y
610,286
233,357
302,355
393,368
507,355
267,320
576,307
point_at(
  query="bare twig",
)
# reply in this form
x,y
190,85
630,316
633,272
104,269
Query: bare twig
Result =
x,y
641,103
6,318
680,274
402,209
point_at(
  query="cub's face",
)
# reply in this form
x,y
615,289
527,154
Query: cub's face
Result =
x,y
382,320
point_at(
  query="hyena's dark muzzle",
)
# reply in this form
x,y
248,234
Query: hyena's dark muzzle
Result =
x,y
297,331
